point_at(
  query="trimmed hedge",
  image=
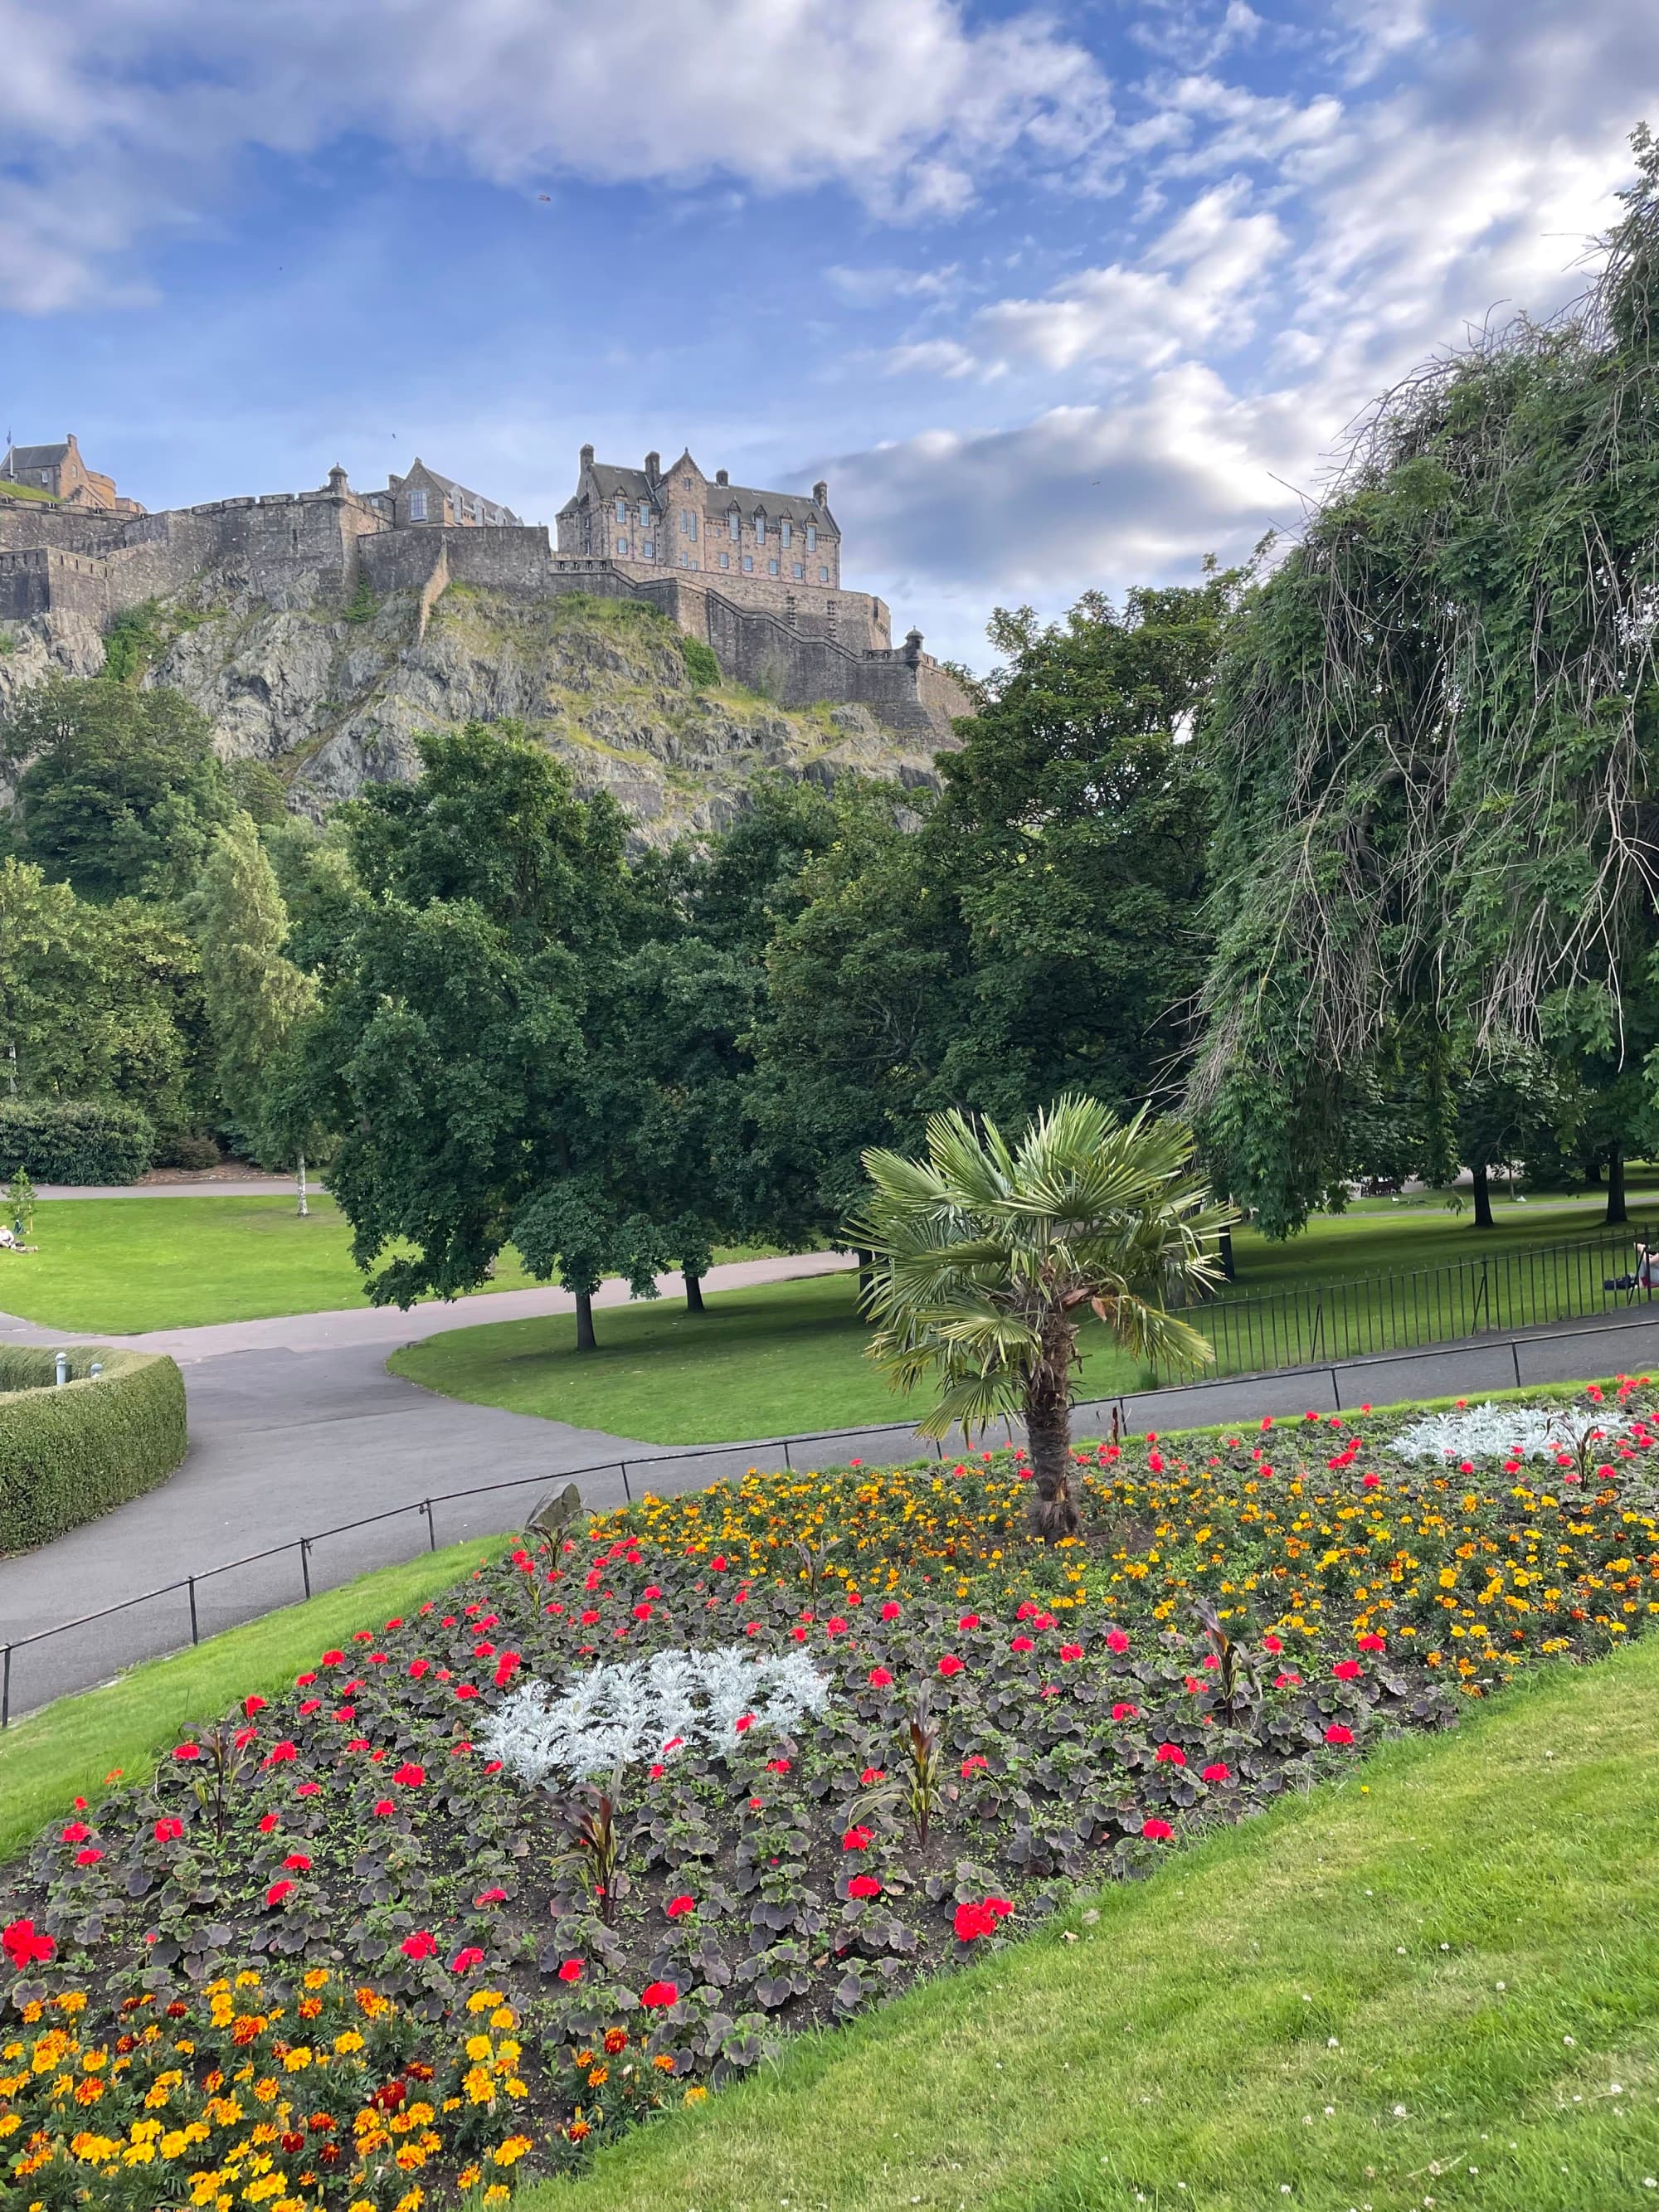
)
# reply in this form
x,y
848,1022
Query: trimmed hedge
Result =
x,y
74,1140
68,1455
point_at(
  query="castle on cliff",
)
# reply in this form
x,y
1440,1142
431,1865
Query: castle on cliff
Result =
x,y
755,574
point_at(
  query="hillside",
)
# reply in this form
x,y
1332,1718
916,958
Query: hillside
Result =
x,y
335,702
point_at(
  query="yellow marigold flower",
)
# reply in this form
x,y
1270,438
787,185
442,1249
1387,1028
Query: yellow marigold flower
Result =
x,y
510,2152
479,2047
297,2060
468,2177
696,2094
317,1978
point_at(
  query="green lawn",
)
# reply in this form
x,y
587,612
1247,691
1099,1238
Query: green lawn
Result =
x,y
1438,1986
122,1265
66,1749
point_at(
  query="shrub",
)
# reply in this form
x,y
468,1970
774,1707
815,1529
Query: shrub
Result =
x,y
186,1149
68,1455
701,665
75,1140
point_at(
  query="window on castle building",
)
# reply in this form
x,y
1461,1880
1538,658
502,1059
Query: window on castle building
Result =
x,y
622,548
645,516
748,564
760,530
734,524
726,560
811,538
685,483
647,550
771,568
417,506
621,508
823,575
798,571
783,532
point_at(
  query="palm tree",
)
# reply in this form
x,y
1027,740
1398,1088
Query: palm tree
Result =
x,y
986,1252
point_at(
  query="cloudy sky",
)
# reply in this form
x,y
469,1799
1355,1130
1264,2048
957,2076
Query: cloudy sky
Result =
x,y
1055,297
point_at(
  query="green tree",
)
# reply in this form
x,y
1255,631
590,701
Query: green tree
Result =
x,y
97,1001
460,1044
1433,730
987,1254
119,791
254,996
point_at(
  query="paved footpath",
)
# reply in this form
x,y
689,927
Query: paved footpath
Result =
x,y
296,1427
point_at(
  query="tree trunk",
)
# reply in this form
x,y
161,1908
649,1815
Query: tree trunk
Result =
x,y
693,1292
1482,1197
1616,1184
1048,1437
304,1209
867,1275
586,1340
1225,1251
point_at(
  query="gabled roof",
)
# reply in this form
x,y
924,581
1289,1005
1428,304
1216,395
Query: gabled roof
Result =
x,y
799,507
35,457
455,491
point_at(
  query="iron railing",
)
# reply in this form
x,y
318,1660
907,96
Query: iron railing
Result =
x,y
1400,1309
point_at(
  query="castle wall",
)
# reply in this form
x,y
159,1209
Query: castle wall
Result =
x,y
38,578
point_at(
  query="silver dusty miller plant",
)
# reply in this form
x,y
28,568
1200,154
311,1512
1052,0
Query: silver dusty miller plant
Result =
x,y
650,1708
1491,1431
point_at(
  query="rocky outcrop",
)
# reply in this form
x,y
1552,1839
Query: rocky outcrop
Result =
x,y
334,703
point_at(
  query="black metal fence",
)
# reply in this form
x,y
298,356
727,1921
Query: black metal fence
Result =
x,y
1501,1358
1404,1308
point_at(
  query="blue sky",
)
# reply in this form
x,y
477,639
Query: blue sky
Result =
x,y
1056,299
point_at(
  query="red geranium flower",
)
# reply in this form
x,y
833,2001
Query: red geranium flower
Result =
x,y
277,1891
656,1995
969,1620
90,1856
777,1766
864,1885
307,1788
1070,1651
297,1862
77,1833
490,1897
169,1831
25,1945
1169,1754
950,1664
252,1705
1272,1644
187,1751
280,1754
1019,1644
571,1971
1116,1641
678,1907
744,1723
1373,1642
268,1821
1157,1831
1125,1712
421,1944
974,1920
973,1763
410,1776
857,1840
1218,1772
463,1961
890,1610
1348,1670
880,1678
872,1774
382,1806
1337,1733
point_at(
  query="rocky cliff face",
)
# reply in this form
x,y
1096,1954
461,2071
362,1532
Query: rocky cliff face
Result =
x,y
335,703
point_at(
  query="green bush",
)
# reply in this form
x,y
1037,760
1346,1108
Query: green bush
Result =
x,y
74,1140
701,665
68,1455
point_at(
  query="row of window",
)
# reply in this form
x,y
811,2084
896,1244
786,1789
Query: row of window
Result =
x,y
783,529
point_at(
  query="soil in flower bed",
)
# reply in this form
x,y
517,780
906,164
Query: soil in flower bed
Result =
x,y
907,1731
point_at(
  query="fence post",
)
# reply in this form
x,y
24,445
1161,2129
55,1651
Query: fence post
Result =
x,y
5,1690
304,1563
1514,1360
195,1631
627,1492
788,1461
431,1525
1336,1394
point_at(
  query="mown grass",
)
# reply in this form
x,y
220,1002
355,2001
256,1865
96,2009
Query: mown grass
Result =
x,y
67,1749
1434,1984
123,1265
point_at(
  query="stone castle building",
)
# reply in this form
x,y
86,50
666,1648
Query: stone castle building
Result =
x,y
755,574
59,472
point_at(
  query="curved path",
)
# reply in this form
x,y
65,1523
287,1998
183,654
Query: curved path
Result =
x,y
296,1426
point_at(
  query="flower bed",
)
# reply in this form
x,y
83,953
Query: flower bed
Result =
x,y
842,1730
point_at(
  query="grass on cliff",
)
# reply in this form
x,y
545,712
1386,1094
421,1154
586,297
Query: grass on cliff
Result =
x,y
1434,1983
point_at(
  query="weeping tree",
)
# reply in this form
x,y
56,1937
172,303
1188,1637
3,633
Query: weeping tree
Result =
x,y
1433,731
987,1255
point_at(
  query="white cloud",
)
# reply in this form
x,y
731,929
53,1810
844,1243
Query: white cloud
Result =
x,y
875,286
139,107
1194,287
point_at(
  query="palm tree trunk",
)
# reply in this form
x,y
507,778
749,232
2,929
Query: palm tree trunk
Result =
x,y
1054,1511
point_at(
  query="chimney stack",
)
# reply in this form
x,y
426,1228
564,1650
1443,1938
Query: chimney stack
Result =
x,y
821,492
587,457
721,478
653,467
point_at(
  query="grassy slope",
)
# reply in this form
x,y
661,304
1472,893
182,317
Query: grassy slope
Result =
x,y
66,1749
1471,1935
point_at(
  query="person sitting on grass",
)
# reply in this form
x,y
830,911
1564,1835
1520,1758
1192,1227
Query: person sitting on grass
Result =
x,y
1646,1277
